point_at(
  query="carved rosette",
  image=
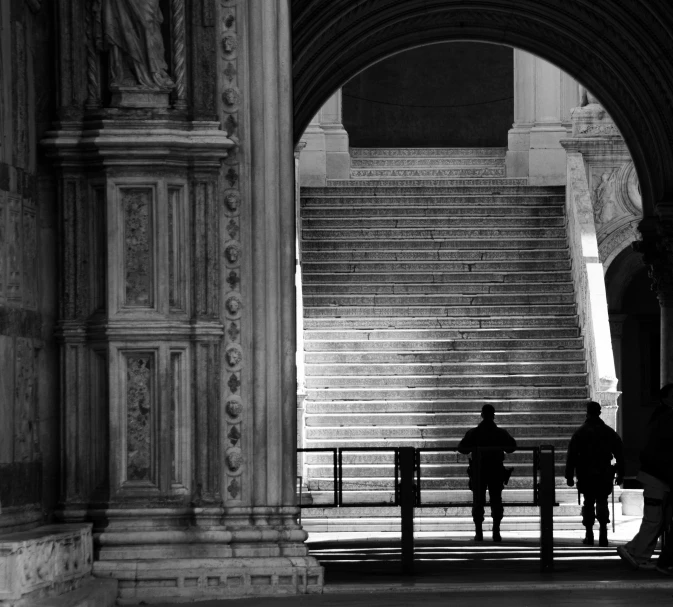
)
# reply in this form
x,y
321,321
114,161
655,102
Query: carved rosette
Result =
x,y
657,250
232,204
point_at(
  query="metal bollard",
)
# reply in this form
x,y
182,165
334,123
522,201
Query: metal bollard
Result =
x,y
547,500
407,493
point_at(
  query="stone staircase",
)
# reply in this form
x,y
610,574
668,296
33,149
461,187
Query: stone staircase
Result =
x,y
431,285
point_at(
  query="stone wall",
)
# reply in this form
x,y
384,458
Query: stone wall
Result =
x,y
28,390
453,95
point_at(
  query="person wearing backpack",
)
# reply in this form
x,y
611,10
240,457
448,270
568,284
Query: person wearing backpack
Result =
x,y
487,445
590,454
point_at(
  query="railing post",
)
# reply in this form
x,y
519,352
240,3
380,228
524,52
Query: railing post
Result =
x,y
407,493
547,499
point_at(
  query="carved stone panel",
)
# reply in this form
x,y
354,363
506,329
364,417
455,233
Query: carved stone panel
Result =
x,y
140,415
180,420
138,242
14,249
26,435
3,244
177,248
30,268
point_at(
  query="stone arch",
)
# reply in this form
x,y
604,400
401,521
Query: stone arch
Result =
x,y
615,51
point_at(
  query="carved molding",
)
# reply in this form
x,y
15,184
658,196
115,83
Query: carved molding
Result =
x,y
231,97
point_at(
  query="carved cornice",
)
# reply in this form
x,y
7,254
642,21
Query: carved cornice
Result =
x,y
129,143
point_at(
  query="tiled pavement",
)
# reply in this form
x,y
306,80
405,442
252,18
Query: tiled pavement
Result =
x,y
363,571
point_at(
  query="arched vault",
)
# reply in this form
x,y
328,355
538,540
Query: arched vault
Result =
x,y
619,49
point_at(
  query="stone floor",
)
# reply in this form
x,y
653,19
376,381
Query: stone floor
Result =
x,y
362,570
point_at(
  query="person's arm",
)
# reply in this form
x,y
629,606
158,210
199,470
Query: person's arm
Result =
x,y
466,445
618,452
510,443
571,461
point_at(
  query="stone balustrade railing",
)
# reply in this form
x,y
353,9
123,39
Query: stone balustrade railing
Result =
x,y
590,292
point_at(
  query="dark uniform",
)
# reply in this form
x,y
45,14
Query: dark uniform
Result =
x,y
590,454
491,472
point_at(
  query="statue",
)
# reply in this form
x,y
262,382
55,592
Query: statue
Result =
x,y
131,31
586,98
603,197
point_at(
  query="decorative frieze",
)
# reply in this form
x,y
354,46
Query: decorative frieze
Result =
x,y
230,95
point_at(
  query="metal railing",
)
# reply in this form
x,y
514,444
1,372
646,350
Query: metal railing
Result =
x,y
407,466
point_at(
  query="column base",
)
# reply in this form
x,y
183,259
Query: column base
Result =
x,y
191,553
547,158
162,579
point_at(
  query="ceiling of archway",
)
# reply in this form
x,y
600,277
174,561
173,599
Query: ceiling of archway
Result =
x,y
622,50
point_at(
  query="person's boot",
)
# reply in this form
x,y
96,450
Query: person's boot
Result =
x,y
496,532
589,537
603,536
479,533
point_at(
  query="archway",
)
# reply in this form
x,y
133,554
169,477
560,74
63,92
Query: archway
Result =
x,y
613,52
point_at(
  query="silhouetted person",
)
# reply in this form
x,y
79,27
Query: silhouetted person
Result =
x,y
590,454
656,476
491,474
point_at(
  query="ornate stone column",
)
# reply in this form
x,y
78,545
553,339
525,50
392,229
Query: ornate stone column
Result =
x,y
657,249
326,155
177,319
543,96
616,333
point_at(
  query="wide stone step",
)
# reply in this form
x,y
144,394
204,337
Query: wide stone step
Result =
x,y
499,310
439,277
309,257
323,212
559,442
474,200
449,393
390,358
534,407
375,484
429,289
321,324
427,162
429,187
414,368
400,345
338,267
334,300
427,152
469,419
520,460
479,244
448,380
488,172
436,335
429,234
369,223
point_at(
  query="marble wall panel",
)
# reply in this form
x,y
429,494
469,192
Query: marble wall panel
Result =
x,y
138,218
26,443
14,249
177,248
6,396
140,399
3,245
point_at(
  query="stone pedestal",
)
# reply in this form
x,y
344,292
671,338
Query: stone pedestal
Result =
x,y
326,154
44,562
543,96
